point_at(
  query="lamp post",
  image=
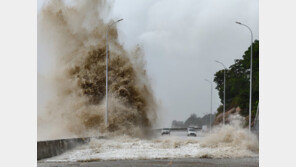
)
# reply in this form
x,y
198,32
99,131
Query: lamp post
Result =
x,y
224,90
211,103
107,48
251,69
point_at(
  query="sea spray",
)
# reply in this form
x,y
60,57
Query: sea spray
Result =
x,y
231,139
74,32
228,141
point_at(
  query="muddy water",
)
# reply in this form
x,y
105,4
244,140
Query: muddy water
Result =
x,y
73,34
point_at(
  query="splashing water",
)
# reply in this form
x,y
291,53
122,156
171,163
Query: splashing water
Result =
x,y
74,33
232,139
229,141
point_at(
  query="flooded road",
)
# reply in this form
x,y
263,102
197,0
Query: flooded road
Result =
x,y
227,145
233,148
176,145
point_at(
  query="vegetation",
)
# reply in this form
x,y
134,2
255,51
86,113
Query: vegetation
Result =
x,y
193,120
238,84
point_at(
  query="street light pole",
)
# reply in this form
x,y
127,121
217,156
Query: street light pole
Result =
x,y
211,103
107,48
251,71
224,89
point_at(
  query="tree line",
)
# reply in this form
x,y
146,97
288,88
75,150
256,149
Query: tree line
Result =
x,y
238,83
193,120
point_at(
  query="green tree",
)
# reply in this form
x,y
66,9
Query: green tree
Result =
x,y
237,82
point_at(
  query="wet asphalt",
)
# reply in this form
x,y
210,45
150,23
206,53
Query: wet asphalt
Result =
x,y
184,162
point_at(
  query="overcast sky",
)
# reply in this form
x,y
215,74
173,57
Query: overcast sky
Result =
x,y
181,39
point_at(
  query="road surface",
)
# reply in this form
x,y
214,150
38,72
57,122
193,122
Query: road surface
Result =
x,y
176,150
185,162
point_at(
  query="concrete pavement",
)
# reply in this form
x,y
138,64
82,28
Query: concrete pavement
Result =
x,y
184,162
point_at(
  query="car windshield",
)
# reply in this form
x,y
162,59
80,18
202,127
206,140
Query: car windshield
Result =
x,y
191,129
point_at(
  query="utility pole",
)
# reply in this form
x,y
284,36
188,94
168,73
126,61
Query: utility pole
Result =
x,y
224,89
107,49
211,83
251,71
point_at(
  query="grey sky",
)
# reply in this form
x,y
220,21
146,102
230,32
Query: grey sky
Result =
x,y
181,40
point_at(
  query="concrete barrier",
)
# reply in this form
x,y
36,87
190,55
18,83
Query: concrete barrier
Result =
x,y
50,148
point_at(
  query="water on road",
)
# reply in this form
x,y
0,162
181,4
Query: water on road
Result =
x,y
176,145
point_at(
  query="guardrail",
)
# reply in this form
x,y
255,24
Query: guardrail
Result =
x,y
50,148
177,129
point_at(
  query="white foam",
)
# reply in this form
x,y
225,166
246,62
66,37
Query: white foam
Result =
x,y
229,141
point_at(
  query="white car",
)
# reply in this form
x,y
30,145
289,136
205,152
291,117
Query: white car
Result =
x,y
165,131
191,131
